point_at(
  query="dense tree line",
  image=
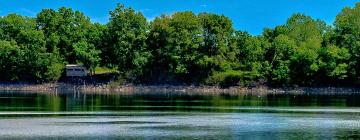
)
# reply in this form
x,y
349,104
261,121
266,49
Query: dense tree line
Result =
x,y
182,48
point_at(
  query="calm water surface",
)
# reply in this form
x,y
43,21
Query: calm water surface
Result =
x,y
178,116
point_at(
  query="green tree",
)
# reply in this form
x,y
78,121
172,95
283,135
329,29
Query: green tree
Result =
x,y
34,62
175,41
182,48
126,42
347,35
279,57
158,44
63,29
251,57
335,62
307,35
87,55
218,48
10,59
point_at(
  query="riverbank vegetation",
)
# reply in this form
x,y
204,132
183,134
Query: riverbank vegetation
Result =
x,y
182,48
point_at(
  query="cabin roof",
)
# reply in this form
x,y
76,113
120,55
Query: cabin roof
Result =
x,y
73,65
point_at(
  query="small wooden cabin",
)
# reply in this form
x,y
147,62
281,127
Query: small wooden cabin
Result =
x,y
73,70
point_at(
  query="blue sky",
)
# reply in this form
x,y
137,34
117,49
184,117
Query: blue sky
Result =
x,y
248,15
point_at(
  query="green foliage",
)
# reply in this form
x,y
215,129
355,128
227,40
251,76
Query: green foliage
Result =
x,y
279,55
63,29
55,67
87,55
334,61
126,47
231,78
217,50
9,59
294,52
102,70
175,42
188,47
347,35
227,78
181,48
24,55
251,56
20,63
308,37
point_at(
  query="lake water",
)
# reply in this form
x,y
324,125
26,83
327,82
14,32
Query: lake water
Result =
x,y
178,116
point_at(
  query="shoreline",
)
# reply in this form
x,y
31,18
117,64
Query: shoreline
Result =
x,y
129,89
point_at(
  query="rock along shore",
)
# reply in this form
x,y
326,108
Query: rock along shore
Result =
x,y
128,89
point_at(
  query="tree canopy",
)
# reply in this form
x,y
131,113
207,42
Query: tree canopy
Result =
x,y
182,48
